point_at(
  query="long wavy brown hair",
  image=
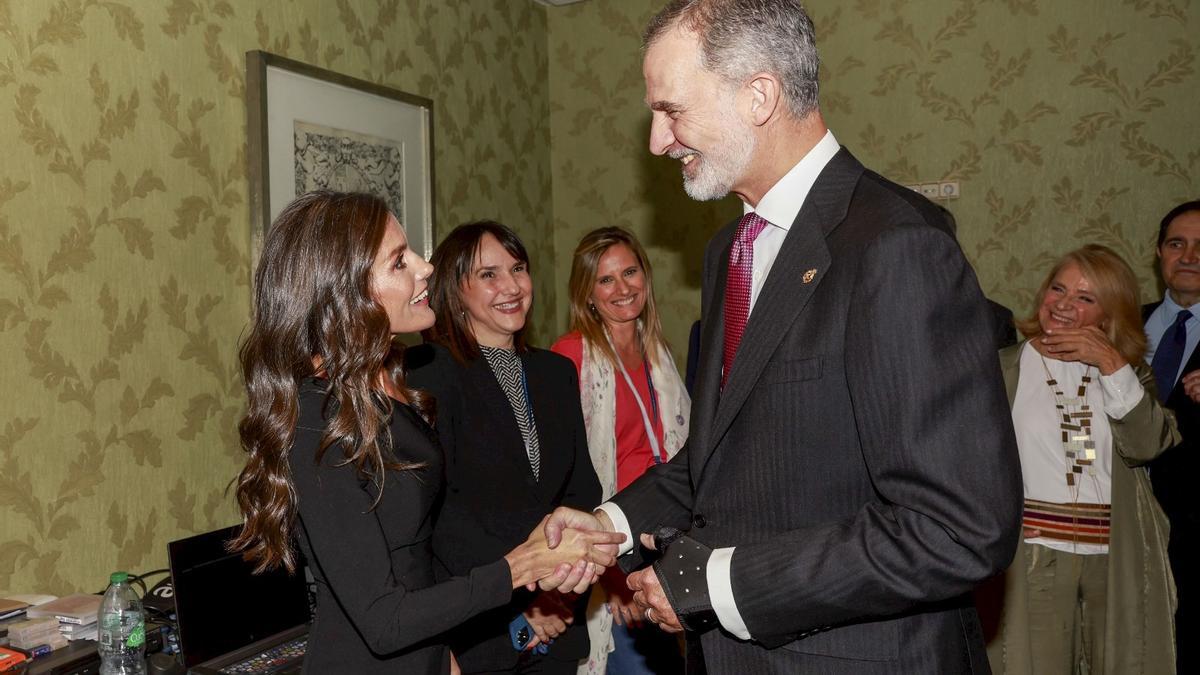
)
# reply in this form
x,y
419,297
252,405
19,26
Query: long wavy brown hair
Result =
x,y
583,282
313,304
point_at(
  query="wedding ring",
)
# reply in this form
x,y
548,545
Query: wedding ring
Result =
x,y
648,617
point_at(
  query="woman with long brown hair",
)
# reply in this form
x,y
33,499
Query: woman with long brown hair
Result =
x,y
636,410
341,461
1090,589
509,420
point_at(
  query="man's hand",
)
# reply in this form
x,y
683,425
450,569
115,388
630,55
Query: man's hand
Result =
x,y
649,597
1191,386
548,616
535,561
570,580
564,517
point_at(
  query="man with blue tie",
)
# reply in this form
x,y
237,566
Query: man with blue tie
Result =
x,y
1173,330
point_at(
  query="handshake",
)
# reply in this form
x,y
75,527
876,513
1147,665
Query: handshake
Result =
x,y
568,551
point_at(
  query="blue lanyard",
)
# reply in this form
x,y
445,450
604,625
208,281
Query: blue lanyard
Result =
x,y
653,404
525,389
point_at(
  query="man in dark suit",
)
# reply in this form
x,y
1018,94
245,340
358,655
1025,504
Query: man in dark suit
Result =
x,y
1173,329
852,472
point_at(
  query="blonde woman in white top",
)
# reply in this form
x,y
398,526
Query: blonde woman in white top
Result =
x,y
1089,590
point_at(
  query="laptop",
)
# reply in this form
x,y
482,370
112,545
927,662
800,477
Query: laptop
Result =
x,y
231,620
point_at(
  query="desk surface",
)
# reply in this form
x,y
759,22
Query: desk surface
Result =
x,y
78,658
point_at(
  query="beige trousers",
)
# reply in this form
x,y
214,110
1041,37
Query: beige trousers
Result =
x,y
1067,597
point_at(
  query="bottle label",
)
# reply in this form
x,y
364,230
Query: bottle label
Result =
x,y
137,638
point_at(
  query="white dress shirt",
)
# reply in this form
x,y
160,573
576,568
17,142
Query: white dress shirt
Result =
x,y
779,207
1162,318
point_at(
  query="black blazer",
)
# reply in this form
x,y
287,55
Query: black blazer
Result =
x,y
379,609
492,501
1171,474
861,457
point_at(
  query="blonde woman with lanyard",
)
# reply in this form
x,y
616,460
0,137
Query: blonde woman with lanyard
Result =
x,y
636,410
1090,589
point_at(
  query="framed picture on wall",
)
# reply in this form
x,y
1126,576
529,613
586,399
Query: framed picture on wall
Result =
x,y
309,128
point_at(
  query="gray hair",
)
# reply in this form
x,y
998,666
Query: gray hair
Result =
x,y
742,37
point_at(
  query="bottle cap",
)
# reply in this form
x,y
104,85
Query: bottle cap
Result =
x,y
118,577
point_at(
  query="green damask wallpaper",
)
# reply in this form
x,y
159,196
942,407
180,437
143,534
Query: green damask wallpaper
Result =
x,y
124,239
124,224
1065,122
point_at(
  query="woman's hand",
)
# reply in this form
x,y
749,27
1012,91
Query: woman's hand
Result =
x,y
1086,345
620,599
548,616
534,560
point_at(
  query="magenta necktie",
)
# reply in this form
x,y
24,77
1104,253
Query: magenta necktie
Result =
x,y
737,287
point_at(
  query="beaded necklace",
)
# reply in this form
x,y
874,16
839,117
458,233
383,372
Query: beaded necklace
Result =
x,y
1076,425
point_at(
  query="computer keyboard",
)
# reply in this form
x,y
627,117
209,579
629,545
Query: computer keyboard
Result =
x,y
274,660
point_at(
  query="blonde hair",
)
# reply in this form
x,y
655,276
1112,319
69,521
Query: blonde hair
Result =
x,y
1116,289
584,317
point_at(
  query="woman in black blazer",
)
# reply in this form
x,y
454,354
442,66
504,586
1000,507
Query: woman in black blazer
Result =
x,y
340,459
510,423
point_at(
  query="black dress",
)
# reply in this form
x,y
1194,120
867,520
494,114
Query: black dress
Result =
x,y
379,609
493,499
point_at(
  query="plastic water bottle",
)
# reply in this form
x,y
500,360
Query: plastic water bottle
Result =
x,y
122,629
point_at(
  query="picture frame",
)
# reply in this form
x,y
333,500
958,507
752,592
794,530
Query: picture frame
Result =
x,y
310,128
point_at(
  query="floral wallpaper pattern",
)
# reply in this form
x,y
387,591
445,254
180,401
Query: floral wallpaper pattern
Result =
x,y
124,221
124,239
1064,122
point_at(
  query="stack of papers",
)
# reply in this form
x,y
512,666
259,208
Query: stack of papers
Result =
x,y
34,633
75,614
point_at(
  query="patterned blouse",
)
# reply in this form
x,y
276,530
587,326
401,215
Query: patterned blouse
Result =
x,y
510,373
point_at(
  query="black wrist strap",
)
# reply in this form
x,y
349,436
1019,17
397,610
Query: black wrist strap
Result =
x,y
683,572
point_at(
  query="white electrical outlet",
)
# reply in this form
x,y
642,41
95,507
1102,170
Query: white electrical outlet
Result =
x,y
930,190
948,189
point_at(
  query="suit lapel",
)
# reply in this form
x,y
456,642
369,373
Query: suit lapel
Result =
x,y
553,458
708,370
801,264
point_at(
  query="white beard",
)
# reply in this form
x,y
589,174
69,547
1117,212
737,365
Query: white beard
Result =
x,y
724,165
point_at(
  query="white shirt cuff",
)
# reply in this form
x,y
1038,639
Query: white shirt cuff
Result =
x,y
1122,392
720,592
620,524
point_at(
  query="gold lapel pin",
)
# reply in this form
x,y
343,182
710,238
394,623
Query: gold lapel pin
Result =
x,y
809,276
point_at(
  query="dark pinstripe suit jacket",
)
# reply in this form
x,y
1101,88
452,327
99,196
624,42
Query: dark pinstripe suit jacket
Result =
x,y
1172,477
1172,472
861,456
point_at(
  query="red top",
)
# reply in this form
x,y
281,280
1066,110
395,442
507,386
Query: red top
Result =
x,y
634,454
